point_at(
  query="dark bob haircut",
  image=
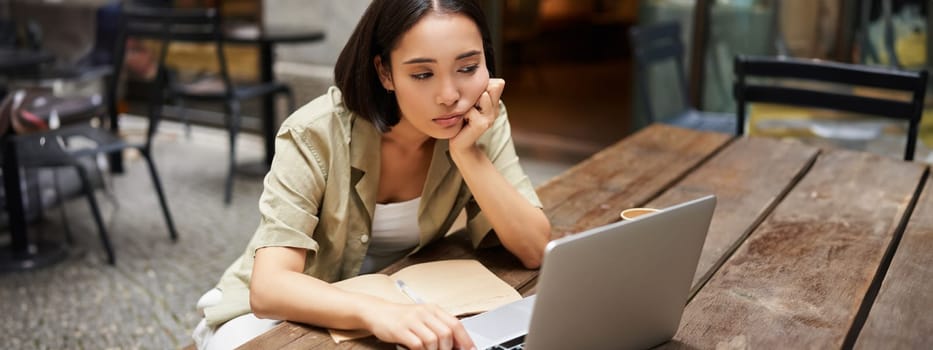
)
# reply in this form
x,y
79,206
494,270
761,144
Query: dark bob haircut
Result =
x,y
377,33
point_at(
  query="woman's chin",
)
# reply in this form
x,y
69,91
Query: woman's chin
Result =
x,y
445,133
443,136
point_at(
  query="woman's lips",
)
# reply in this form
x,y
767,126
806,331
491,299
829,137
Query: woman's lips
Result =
x,y
448,121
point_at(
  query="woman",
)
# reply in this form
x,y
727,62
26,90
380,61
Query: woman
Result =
x,y
375,169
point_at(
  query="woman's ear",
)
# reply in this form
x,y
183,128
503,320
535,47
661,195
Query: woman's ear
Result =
x,y
385,74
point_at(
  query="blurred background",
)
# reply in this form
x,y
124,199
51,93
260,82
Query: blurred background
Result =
x,y
568,63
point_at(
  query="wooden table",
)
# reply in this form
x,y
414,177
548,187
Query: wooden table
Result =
x,y
808,247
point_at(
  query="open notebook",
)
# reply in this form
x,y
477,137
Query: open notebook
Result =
x,y
460,287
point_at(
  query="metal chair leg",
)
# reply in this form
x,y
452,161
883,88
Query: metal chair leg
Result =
x,y
100,163
183,116
95,210
157,183
60,201
233,111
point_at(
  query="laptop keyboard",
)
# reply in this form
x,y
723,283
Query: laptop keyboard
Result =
x,y
513,344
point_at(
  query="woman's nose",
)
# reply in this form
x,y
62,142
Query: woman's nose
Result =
x,y
448,94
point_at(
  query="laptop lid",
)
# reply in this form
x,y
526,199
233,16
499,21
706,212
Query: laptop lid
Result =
x,y
622,285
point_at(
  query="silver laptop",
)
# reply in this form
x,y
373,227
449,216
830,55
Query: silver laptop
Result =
x,y
619,286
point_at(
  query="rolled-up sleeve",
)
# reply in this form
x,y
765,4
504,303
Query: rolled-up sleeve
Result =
x,y
501,151
293,189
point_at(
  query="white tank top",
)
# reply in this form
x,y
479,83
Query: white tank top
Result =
x,y
395,234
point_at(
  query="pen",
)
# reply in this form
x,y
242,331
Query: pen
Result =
x,y
404,288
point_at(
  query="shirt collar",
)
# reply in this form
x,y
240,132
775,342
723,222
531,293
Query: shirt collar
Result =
x,y
365,162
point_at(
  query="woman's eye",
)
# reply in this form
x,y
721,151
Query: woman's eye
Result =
x,y
469,69
422,76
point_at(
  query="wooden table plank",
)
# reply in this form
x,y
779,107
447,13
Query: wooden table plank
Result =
x,y
324,341
278,337
749,177
799,280
627,174
316,338
901,315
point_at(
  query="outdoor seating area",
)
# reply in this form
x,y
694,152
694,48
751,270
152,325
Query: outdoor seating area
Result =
x,y
147,145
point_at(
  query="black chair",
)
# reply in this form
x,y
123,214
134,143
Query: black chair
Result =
x,y
202,26
51,148
660,43
41,103
778,69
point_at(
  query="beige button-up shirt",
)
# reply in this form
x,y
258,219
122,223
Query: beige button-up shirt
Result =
x,y
321,190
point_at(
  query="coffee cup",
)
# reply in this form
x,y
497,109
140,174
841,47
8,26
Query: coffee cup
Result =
x,y
632,213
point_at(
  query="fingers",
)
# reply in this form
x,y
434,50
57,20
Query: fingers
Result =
x,y
443,335
435,329
453,332
495,88
479,119
485,104
410,341
460,336
493,92
426,337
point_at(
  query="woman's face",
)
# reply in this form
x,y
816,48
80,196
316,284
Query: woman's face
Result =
x,y
438,72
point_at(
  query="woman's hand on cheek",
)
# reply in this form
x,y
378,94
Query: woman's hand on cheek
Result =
x,y
479,119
